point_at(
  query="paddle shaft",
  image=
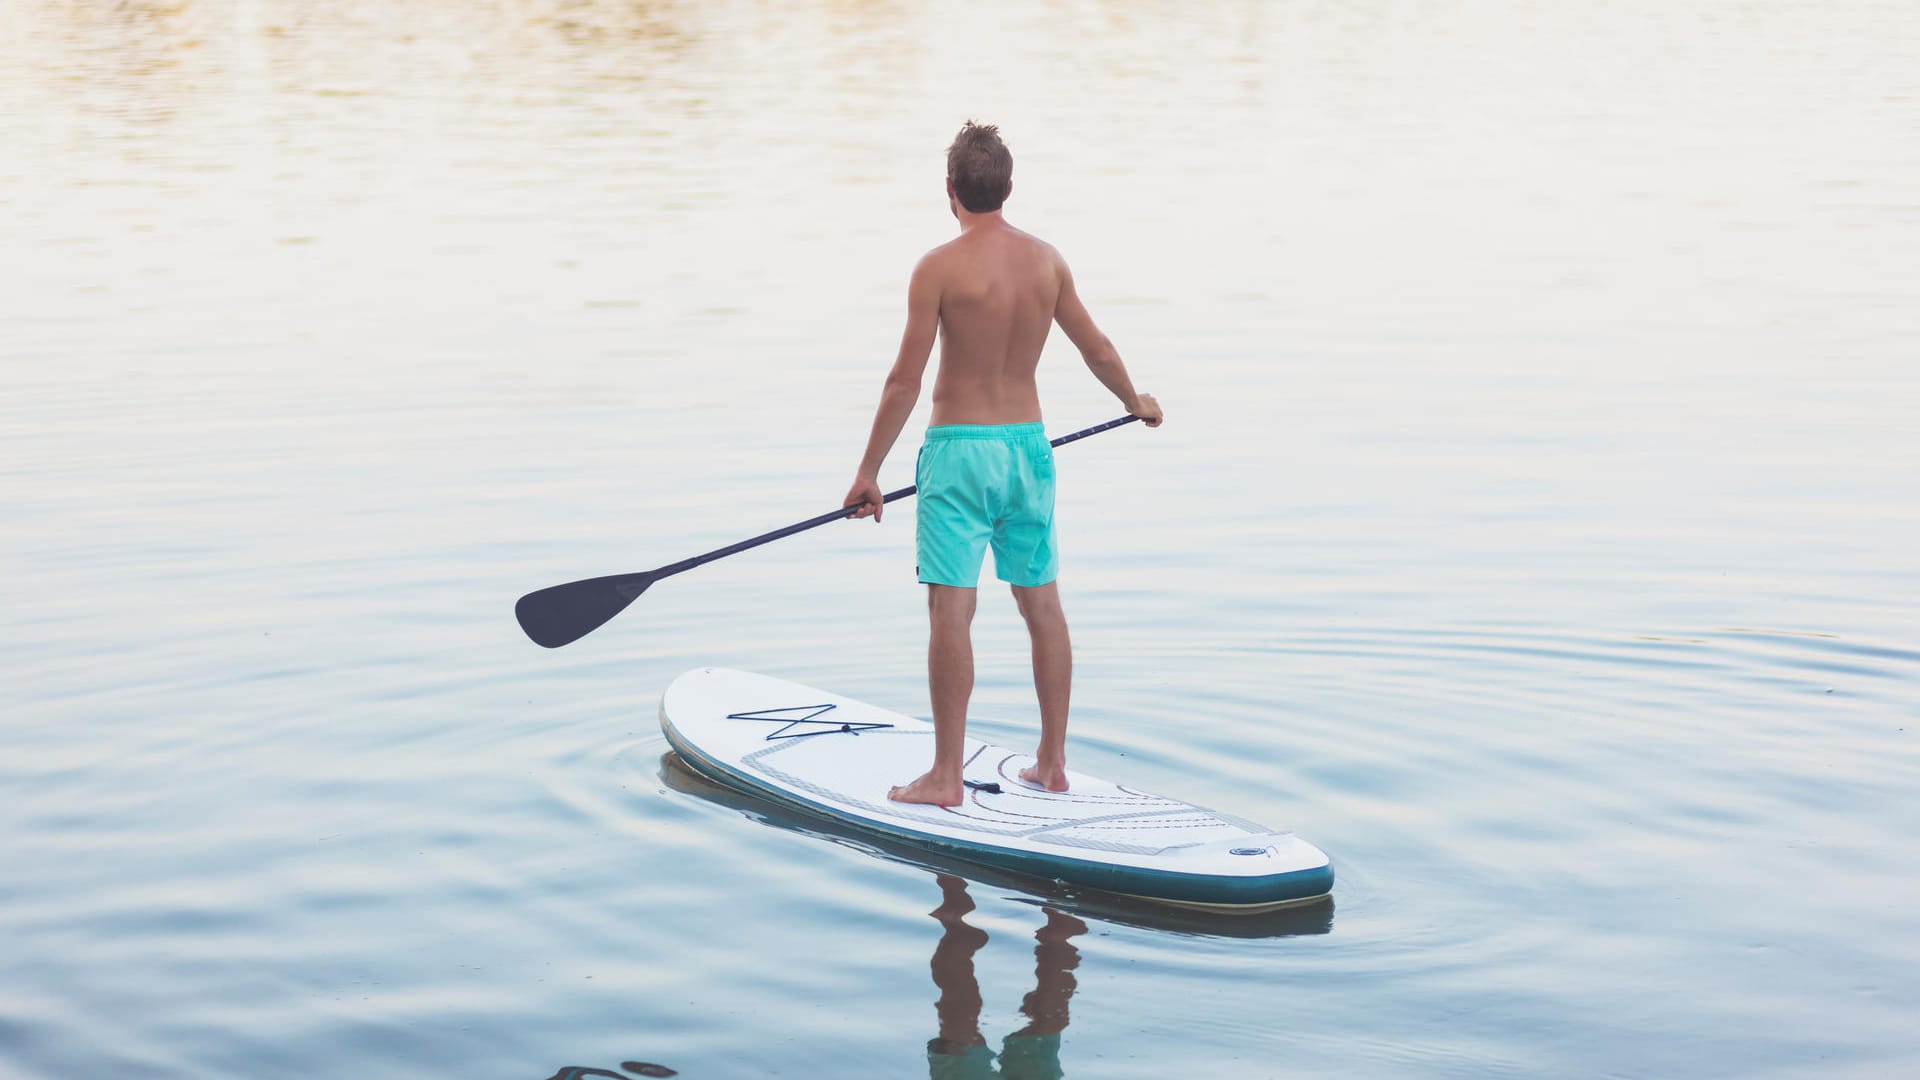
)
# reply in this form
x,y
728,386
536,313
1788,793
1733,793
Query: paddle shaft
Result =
x,y
555,616
841,514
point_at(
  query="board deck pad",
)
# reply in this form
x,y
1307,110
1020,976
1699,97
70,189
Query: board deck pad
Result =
x,y
832,756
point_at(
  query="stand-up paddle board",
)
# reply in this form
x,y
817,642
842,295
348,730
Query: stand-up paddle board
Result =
x,y
827,755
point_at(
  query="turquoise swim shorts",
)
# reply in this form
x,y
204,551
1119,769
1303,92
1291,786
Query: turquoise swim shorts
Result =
x,y
985,484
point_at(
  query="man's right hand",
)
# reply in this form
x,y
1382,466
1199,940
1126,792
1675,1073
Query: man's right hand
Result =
x,y
1148,410
866,495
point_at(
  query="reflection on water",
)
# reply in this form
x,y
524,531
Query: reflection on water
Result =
x,y
1315,917
635,1068
1032,1052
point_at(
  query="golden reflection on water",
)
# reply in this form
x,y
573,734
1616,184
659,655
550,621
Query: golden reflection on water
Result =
x,y
583,42
136,63
153,58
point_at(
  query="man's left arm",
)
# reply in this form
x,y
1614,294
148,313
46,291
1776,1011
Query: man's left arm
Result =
x,y
902,389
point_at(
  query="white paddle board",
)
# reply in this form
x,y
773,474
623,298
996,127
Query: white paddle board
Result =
x,y
827,755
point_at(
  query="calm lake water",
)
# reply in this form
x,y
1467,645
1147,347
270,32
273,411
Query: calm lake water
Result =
x,y
1536,529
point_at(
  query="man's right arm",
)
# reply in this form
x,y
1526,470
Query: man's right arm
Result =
x,y
1095,348
902,389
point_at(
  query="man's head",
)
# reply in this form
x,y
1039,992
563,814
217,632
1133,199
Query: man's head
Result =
x,y
979,168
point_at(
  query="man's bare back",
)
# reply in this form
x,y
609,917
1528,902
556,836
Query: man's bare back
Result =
x,y
998,287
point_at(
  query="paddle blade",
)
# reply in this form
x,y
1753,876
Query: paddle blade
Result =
x,y
564,614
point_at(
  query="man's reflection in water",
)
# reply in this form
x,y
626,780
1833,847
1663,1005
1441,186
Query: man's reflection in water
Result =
x,y
1032,1053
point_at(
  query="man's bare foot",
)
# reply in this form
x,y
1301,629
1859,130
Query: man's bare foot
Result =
x,y
1054,779
929,790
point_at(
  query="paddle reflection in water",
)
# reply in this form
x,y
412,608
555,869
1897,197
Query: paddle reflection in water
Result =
x,y
960,1051
637,1068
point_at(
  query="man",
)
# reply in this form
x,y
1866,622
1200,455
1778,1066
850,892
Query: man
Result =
x,y
986,471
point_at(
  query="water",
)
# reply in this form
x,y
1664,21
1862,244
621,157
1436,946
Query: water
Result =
x,y
1533,529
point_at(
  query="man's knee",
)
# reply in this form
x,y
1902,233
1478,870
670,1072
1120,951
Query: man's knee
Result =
x,y
949,603
1039,604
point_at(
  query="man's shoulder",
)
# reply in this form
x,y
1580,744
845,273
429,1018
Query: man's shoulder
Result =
x,y
1045,253
940,252
935,262
1029,237
1026,237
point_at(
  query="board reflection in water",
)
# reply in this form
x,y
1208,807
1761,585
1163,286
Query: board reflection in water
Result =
x,y
1307,919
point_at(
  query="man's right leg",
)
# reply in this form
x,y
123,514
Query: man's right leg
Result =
x,y
950,684
1052,680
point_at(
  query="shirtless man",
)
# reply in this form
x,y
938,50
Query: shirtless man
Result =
x,y
986,471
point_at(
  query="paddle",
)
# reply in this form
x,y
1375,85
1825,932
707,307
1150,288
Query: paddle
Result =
x,y
564,614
